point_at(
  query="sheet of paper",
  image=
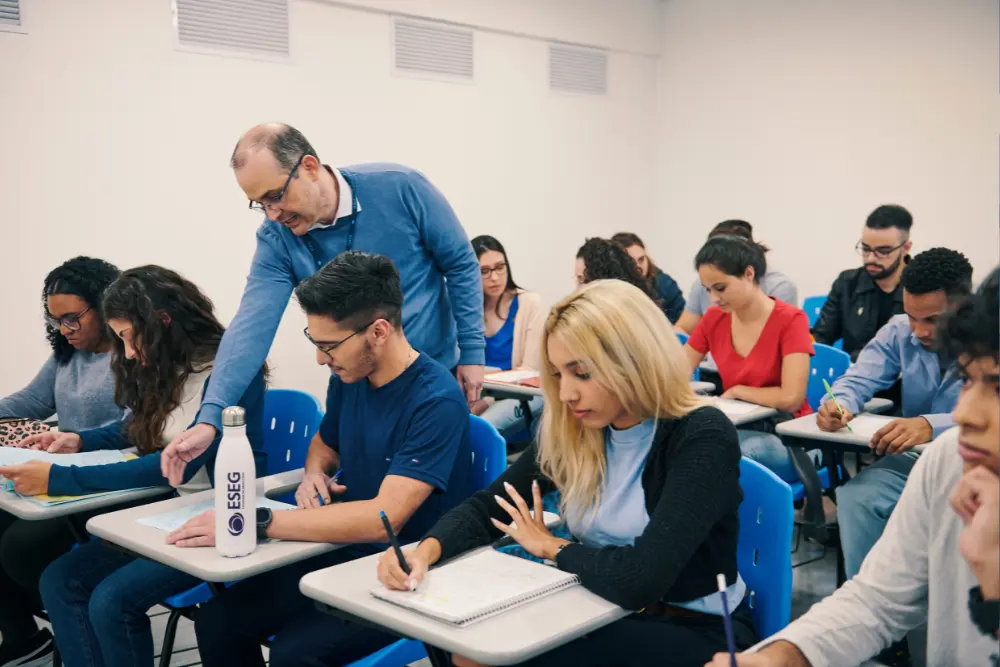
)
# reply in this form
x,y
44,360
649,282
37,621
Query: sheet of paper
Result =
x,y
171,521
12,456
512,377
49,501
731,407
866,425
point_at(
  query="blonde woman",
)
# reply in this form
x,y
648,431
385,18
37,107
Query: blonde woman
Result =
x,y
649,484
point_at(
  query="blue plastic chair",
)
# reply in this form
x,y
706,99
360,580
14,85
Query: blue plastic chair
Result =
x,y
813,306
827,364
489,460
291,418
763,553
682,338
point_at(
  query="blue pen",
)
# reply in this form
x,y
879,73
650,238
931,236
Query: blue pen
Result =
x,y
727,621
336,476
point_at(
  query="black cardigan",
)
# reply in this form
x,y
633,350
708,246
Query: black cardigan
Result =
x,y
691,481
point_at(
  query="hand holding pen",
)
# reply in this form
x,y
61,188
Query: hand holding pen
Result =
x,y
317,490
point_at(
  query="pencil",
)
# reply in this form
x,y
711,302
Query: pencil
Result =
x,y
726,620
829,392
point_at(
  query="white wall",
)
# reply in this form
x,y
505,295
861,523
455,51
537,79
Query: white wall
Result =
x,y
802,117
116,145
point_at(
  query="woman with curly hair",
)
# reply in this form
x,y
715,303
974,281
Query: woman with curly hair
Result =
x,y
600,259
665,287
76,382
166,340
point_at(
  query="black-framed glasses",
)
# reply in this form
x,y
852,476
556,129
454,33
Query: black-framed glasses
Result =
x,y
71,322
327,348
499,269
881,251
274,201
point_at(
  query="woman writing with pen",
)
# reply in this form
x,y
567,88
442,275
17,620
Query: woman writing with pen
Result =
x,y
649,484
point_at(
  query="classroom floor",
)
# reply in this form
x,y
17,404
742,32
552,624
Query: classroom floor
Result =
x,y
810,584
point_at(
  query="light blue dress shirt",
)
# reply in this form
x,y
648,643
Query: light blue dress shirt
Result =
x,y
896,352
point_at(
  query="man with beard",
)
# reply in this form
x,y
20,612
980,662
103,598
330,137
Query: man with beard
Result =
x,y
862,300
903,349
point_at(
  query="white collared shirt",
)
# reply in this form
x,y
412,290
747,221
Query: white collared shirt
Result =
x,y
345,203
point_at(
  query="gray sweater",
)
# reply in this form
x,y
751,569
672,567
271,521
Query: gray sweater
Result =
x,y
81,391
913,574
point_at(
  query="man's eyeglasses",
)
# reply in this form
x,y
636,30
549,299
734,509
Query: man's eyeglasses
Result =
x,y
499,269
327,348
275,200
880,252
71,322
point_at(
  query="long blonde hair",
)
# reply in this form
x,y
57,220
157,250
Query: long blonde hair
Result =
x,y
629,348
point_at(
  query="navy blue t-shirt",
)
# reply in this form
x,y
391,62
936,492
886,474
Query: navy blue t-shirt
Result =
x,y
415,426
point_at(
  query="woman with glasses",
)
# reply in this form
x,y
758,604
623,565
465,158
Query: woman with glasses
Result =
x,y
514,319
77,384
166,337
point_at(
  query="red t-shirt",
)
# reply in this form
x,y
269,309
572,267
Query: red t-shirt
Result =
x,y
785,332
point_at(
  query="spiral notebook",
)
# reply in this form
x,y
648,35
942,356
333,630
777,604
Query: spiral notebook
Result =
x,y
479,586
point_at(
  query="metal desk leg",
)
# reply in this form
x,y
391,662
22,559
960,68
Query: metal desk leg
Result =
x,y
438,657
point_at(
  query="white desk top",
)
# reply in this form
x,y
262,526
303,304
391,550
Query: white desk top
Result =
x,y
510,390
31,511
864,426
740,412
205,563
508,638
878,405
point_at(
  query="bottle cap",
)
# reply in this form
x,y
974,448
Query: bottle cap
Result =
x,y
234,416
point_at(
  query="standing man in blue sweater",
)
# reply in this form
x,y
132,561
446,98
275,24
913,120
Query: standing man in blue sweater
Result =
x,y
314,213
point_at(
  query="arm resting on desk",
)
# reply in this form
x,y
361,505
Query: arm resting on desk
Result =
x,y
792,392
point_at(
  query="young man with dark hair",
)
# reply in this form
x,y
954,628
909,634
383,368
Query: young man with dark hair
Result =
x,y
938,562
903,349
862,300
396,425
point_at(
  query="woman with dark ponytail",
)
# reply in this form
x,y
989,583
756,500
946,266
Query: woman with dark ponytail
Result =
x,y
166,337
761,345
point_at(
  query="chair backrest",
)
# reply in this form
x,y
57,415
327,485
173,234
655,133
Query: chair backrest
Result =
x,y
813,305
827,364
764,552
489,454
291,419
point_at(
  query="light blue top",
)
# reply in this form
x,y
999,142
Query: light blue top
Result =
x,y
896,351
621,516
81,391
400,215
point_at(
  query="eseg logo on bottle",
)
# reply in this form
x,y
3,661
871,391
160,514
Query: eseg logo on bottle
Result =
x,y
236,524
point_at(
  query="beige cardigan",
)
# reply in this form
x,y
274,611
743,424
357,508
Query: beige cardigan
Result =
x,y
528,324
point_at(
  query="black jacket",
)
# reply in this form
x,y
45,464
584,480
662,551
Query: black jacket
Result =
x,y
691,483
851,311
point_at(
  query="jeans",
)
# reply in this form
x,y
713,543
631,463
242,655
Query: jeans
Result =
x,y
865,503
768,450
26,548
97,599
231,627
507,415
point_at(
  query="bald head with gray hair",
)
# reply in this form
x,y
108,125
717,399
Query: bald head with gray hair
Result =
x,y
283,141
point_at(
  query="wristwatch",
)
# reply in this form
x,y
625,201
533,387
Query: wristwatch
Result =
x,y
985,613
264,518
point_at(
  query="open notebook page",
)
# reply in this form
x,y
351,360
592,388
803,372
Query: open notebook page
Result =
x,y
171,521
731,407
473,588
866,425
512,377
12,456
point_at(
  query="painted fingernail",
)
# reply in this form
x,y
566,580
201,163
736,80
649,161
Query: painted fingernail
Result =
x,y
499,499
507,486
411,584
534,483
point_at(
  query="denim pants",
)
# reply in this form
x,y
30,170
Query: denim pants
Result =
x,y
97,599
507,415
865,503
768,450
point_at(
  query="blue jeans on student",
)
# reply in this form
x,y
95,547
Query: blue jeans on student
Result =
x,y
865,503
97,599
768,450
507,415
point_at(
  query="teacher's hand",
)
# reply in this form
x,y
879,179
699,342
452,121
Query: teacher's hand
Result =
x,y
470,379
527,530
183,449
